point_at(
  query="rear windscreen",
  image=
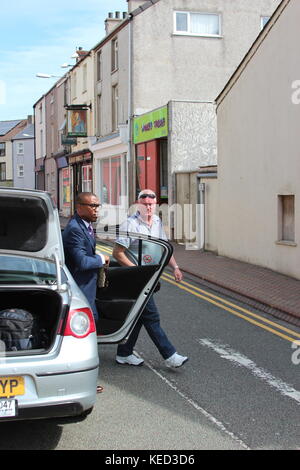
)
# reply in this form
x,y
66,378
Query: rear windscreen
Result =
x,y
23,223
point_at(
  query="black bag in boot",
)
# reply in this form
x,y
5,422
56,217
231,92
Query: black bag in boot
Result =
x,y
19,330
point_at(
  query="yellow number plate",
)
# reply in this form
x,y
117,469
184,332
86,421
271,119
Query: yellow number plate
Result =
x,y
11,386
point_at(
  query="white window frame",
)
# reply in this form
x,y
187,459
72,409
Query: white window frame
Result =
x,y
115,108
20,170
20,148
114,54
99,65
123,167
188,32
2,149
87,185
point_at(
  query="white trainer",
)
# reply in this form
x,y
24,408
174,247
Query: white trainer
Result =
x,y
176,360
132,360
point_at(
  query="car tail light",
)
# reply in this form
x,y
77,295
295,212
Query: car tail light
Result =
x,y
80,323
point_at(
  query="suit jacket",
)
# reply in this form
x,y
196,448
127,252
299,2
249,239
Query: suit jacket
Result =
x,y
81,258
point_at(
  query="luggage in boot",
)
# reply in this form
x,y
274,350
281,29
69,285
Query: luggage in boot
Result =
x,y
19,330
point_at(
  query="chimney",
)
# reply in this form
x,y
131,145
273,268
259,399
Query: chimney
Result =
x,y
29,119
134,4
80,53
113,20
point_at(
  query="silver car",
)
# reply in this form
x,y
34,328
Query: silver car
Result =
x,y
58,376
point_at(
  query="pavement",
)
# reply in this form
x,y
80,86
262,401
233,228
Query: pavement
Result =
x,y
267,290
262,288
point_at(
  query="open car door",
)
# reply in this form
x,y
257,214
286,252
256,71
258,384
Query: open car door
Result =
x,y
121,303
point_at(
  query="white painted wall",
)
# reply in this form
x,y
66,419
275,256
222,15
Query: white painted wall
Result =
x,y
258,129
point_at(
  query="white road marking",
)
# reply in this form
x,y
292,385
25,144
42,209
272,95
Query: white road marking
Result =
x,y
191,402
227,353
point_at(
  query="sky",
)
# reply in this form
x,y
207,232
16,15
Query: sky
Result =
x,y
38,37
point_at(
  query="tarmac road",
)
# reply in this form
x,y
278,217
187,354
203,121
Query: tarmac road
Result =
x,y
239,390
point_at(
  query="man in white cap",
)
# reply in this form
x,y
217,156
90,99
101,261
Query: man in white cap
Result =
x,y
146,222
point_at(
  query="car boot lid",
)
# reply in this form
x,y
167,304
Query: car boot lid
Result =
x,y
30,225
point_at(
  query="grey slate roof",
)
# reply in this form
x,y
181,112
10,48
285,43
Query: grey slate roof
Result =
x,y
26,133
6,126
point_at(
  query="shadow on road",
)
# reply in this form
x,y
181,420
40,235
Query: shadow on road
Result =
x,y
30,435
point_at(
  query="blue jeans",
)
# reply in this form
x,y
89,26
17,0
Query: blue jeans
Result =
x,y
151,321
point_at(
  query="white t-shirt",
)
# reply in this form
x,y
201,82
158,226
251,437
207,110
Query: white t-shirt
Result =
x,y
150,252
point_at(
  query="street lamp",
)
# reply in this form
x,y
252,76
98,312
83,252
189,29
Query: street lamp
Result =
x,y
46,75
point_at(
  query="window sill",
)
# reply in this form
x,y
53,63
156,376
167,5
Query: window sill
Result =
x,y
211,36
286,243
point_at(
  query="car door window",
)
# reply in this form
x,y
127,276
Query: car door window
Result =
x,y
129,288
144,252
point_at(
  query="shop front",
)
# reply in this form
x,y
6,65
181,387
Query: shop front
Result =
x,y
150,138
40,174
111,175
64,185
80,174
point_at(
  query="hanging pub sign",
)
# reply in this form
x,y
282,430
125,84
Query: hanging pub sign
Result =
x,y
77,121
66,140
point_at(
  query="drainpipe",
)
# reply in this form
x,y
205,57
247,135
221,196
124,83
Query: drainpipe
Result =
x,y
129,151
201,210
201,216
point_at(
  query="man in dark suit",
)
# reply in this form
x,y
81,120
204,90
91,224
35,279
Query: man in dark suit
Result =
x,y
80,247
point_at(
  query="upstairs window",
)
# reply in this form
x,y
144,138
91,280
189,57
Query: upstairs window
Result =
x,y
114,55
2,149
20,148
99,66
115,98
197,24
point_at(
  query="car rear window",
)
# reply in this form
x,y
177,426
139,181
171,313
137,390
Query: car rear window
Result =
x,y
23,224
23,270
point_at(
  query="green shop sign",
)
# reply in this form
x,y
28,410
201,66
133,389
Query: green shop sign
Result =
x,y
151,126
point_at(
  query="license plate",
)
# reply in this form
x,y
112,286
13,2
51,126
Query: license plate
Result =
x,y
8,408
11,386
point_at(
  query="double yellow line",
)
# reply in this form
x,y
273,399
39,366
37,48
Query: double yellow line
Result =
x,y
236,310
255,319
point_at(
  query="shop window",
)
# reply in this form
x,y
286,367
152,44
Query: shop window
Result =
x,y
286,218
87,178
65,185
112,180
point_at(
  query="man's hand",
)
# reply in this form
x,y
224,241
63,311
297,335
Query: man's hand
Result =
x,y
177,274
107,260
